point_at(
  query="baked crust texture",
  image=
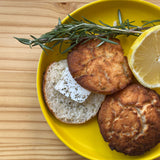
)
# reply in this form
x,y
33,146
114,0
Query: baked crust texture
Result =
x,y
130,120
101,69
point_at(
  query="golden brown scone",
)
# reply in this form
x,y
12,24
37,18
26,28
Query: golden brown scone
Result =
x,y
101,69
130,120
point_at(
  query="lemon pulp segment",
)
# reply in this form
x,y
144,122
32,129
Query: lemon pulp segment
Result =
x,y
145,58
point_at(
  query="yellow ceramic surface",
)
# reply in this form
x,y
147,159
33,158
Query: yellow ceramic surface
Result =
x,y
86,139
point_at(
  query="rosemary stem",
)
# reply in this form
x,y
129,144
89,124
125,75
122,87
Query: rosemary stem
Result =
x,y
103,28
120,30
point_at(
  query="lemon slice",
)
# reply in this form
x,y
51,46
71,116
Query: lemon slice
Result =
x,y
144,58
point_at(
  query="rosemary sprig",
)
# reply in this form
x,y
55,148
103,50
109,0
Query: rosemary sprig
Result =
x,y
81,31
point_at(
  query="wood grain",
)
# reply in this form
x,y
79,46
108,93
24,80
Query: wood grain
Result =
x,y
24,133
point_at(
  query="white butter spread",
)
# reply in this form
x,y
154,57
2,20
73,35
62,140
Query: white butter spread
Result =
x,y
70,88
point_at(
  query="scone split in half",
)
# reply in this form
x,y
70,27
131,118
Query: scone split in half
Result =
x,y
64,108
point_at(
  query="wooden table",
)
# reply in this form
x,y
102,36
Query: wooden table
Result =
x,y
24,133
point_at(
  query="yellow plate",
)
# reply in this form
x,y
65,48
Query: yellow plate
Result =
x,y
86,139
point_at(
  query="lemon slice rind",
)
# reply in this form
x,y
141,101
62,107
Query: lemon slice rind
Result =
x,y
132,53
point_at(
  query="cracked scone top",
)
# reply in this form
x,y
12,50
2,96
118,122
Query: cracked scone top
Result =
x,y
101,69
130,120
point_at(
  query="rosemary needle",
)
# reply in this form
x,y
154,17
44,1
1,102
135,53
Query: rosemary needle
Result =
x,y
81,31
